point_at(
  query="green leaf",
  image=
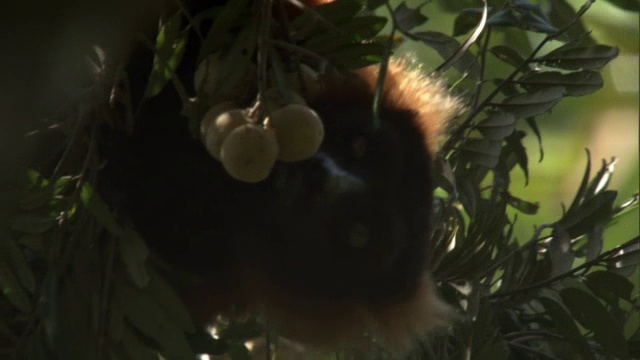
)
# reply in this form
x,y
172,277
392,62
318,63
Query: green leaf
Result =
x,y
582,189
533,124
11,289
353,31
627,259
565,323
374,4
31,223
507,55
152,321
561,14
356,56
170,301
497,126
576,84
331,14
578,58
466,21
560,251
609,286
407,18
591,314
532,104
134,253
525,207
19,264
220,31
170,45
592,212
482,151
447,47
515,147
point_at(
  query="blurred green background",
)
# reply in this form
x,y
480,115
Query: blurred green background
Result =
x,y
606,122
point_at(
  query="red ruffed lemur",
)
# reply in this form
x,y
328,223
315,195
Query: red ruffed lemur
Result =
x,y
331,250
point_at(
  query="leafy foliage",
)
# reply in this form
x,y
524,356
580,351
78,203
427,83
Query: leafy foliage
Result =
x,y
75,277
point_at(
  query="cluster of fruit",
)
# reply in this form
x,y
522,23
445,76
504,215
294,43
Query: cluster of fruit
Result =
x,y
248,146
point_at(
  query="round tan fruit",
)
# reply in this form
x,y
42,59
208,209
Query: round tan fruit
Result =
x,y
220,127
212,114
249,152
299,131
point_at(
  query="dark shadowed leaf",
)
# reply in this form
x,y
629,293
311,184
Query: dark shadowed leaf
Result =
x,y
565,323
532,104
576,84
31,223
152,321
407,18
508,55
18,262
609,286
561,14
591,314
374,4
447,47
560,251
514,145
166,297
351,32
503,18
497,126
482,151
466,21
533,124
582,189
220,31
587,58
332,14
525,207
11,289
595,242
627,259
589,214
633,5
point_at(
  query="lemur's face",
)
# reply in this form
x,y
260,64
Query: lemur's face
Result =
x,y
353,221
